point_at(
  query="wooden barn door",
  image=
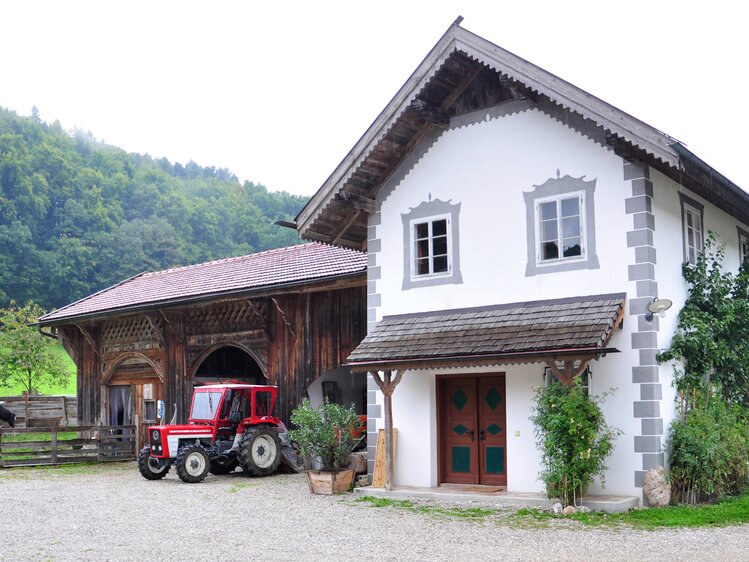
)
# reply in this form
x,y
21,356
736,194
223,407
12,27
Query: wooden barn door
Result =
x,y
473,444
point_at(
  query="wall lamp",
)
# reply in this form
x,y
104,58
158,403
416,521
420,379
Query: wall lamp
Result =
x,y
659,307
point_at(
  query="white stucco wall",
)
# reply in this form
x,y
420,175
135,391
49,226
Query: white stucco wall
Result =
x,y
486,167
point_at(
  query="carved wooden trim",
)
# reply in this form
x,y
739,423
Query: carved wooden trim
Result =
x,y
153,320
110,366
196,357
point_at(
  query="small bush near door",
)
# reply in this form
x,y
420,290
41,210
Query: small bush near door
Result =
x,y
573,437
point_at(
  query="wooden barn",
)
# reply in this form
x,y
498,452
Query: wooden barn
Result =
x,y
281,317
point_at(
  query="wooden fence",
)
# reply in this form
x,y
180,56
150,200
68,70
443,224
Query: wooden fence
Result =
x,y
36,446
43,411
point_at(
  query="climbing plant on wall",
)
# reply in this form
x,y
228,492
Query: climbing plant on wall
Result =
x,y
573,437
709,442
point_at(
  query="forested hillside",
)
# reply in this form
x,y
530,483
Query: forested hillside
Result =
x,y
77,215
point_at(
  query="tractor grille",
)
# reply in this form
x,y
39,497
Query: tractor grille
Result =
x,y
156,446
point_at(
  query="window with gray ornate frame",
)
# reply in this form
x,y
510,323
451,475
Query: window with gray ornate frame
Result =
x,y
692,231
560,224
743,244
431,248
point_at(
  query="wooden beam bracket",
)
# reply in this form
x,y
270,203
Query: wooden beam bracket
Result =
x,y
286,322
88,336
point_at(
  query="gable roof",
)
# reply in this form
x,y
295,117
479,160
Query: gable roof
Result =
x,y
463,73
264,271
514,332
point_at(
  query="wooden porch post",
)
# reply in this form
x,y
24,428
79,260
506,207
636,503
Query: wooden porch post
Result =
x,y
387,385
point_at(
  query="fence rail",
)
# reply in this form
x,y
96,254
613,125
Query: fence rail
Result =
x,y
44,446
42,411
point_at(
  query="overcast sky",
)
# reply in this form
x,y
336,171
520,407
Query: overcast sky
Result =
x,y
278,92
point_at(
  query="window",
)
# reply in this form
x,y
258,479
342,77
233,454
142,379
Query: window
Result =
x,y
149,410
431,249
743,244
430,252
586,378
691,218
560,230
560,222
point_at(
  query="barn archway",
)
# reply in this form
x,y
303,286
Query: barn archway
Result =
x,y
228,362
134,385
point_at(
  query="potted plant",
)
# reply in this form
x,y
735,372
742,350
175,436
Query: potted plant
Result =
x,y
326,435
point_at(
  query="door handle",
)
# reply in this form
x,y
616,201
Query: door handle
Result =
x,y
471,434
482,435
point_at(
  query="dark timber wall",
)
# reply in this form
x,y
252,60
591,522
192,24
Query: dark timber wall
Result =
x,y
293,336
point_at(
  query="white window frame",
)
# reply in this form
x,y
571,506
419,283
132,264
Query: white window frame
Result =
x,y
743,244
553,189
691,251
540,261
415,276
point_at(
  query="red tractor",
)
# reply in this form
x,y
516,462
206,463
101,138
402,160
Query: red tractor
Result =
x,y
229,425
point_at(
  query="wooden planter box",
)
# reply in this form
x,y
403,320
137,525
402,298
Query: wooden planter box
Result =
x,y
329,483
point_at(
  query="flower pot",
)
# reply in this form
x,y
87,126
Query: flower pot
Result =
x,y
330,482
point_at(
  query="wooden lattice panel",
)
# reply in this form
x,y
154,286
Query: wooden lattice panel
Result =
x,y
135,332
231,316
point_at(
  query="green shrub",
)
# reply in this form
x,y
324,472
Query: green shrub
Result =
x,y
573,437
325,433
708,451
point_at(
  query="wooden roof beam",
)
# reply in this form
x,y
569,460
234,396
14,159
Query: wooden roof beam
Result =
x,y
352,219
358,202
434,115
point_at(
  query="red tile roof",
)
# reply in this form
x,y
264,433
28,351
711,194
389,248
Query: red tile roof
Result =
x,y
304,263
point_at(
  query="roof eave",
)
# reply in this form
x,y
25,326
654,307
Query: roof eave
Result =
x,y
252,292
376,130
530,356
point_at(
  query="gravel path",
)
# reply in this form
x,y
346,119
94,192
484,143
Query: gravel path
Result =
x,y
109,512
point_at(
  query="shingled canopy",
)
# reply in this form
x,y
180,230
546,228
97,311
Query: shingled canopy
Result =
x,y
563,330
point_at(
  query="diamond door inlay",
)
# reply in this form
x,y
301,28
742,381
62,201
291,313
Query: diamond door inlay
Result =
x,y
494,429
460,429
459,399
493,398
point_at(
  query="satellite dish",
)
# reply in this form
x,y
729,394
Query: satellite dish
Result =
x,y
659,307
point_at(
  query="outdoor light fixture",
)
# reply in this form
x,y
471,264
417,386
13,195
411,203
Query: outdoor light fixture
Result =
x,y
659,307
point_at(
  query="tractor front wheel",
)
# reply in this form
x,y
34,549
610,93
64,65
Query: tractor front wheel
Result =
x,y
149,467
260,451
192,464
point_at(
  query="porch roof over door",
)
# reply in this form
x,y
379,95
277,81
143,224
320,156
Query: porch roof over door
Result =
x,y
524,332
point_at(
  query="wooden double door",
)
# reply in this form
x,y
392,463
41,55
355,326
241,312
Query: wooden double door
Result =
x,y
473,432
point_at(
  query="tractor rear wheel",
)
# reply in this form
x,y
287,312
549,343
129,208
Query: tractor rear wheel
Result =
x,y
260,451
192,464
149,467
224,466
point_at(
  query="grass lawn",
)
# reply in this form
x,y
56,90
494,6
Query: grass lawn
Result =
x,y
730,511
69,388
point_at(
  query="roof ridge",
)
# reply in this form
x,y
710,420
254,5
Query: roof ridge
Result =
x,y
227,260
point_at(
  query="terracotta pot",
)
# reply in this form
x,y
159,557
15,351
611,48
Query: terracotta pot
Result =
x,y
329,483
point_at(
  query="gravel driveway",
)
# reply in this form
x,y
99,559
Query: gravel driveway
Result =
x,y
109,512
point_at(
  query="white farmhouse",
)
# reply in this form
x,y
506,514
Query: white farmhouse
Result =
x,y
517,228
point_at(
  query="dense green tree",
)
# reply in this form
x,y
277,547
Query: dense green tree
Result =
x,y
27,357
77,215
